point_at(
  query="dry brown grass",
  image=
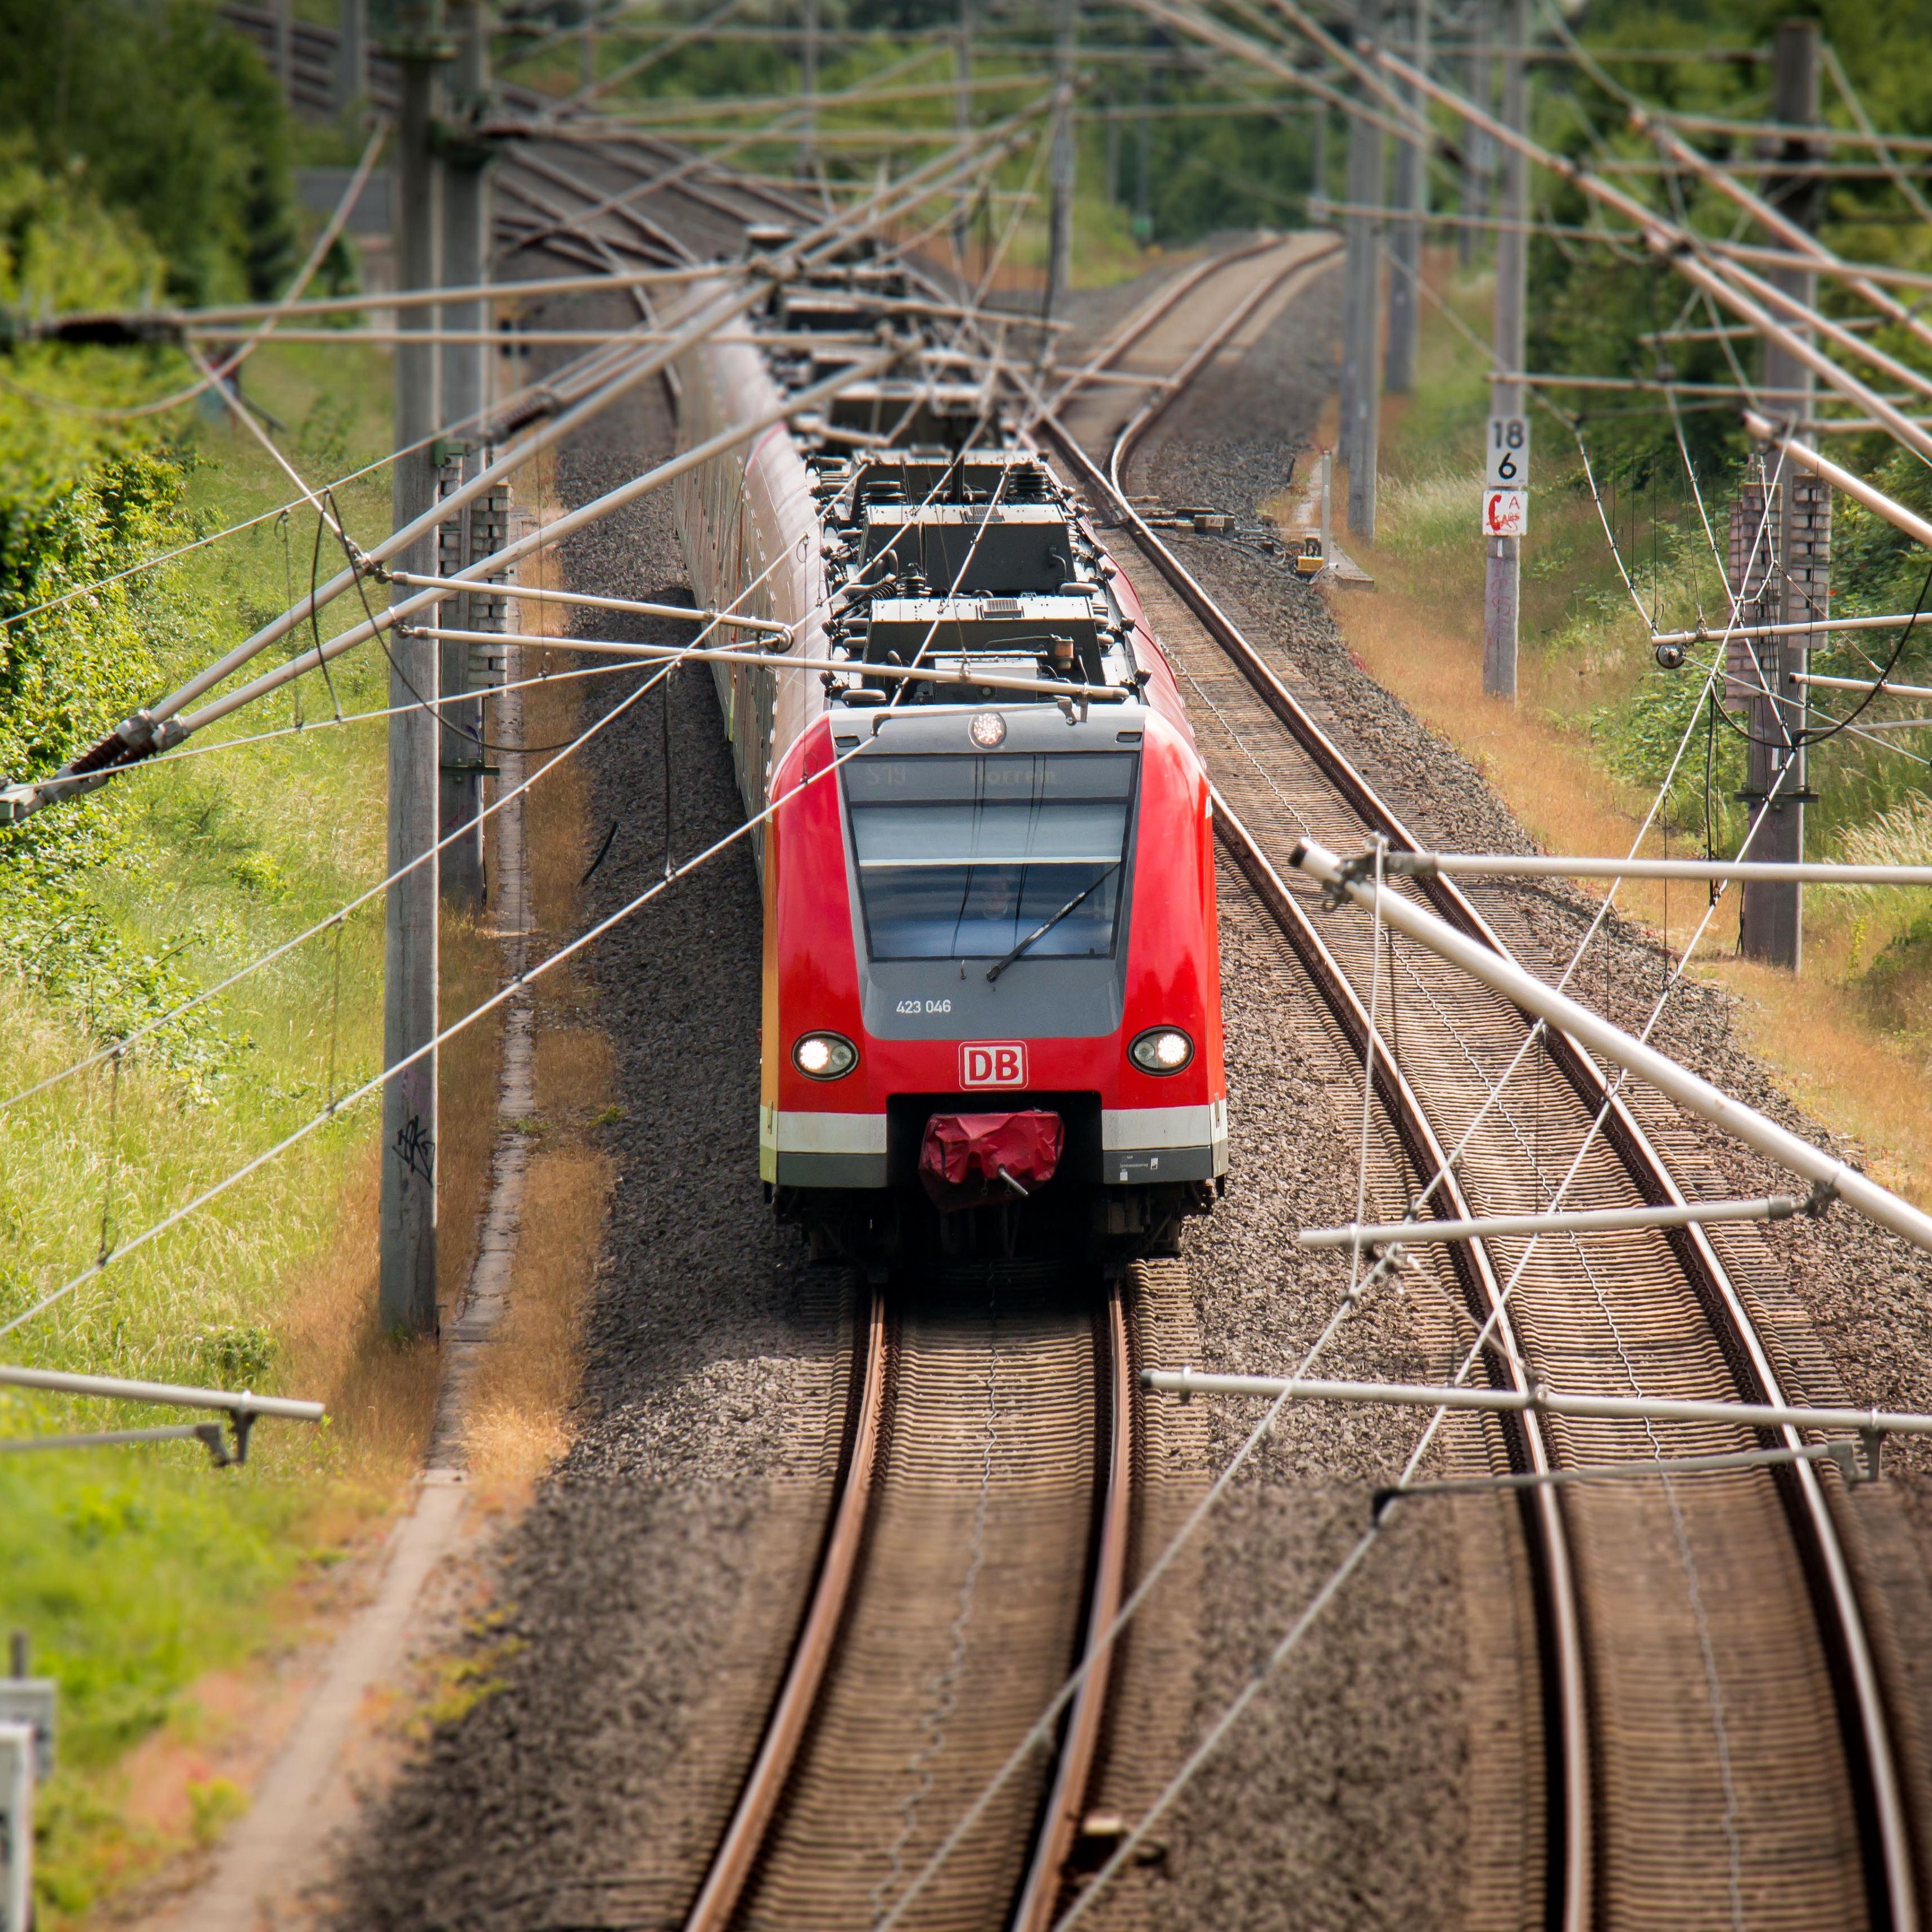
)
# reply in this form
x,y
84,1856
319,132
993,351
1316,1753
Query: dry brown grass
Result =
x,y
518,1422
381,1393
1821,1037
468,1075
518,1425
556,815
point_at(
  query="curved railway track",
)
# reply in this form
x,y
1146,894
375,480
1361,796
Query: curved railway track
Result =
x,y
989,1440
1716,1745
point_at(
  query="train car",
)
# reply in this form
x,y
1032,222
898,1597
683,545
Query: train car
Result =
x,y
991,1016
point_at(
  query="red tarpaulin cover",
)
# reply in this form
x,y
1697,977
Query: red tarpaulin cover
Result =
x,y
961,1159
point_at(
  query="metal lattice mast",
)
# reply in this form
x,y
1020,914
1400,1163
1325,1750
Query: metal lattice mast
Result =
x,y
1771,921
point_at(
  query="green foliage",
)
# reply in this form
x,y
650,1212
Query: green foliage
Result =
x,y
171,117
1643,735
69,672
1205,172
111,1563
135,1578
1590,307
147,158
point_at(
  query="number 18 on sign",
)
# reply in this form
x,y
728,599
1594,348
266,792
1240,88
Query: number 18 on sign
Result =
x,y
1506,497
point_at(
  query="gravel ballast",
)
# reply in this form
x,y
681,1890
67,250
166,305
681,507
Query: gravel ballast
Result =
x,y
1841,1303
1386,1775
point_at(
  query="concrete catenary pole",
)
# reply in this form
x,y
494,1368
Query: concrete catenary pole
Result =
x,y
1772,920
962,124
352,54
1412,195
1502,571
1060,240
284,39
1143,156
1477,146
465,258
1361,322
808,81
407,1294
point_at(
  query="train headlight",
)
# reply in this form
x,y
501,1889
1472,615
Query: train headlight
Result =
x,y
824,1056
1161,1050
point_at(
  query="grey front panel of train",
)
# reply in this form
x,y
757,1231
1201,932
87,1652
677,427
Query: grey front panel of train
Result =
x,y
1051,995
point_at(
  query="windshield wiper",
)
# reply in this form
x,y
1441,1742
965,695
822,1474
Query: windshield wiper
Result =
x,y
1079,899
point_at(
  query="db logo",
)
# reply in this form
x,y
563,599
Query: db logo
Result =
x,y
984,1065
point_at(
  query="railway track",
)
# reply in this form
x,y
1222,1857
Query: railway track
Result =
x,y
1717,1746
988,1444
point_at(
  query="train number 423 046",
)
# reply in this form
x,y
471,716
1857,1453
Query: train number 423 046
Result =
x,y
924,1006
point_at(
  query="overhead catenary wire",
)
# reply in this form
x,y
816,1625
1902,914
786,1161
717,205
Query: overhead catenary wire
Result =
x,y
341,913
96,767
1672,244
511,990
1302,1625
336,919
656,183
224,313
919,671
1317,1604
1042,1729
154,727
309,727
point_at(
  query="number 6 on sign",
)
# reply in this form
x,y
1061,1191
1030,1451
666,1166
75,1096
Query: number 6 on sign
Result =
x,y
1509,453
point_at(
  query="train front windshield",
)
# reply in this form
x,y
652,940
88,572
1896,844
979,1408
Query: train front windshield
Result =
x,y
963,857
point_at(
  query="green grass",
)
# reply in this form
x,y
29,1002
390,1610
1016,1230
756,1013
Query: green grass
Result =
x,y
136,1571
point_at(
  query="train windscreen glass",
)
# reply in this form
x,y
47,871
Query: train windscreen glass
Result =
x,y
962,858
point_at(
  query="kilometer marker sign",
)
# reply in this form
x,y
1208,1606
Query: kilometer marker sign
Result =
x,y
1506,498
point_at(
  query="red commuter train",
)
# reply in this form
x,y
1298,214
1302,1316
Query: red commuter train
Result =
x,y
992,1004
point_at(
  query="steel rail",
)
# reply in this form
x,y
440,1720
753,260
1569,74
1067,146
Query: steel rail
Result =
x,y
757,1806
755,188
1080,1740
153,729
1209,346
1140,320
648,231
1559,1622
1559,1626
1865,1725
731,1864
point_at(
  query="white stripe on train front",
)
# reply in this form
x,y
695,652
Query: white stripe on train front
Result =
x,y
798,1132
1139,1144
801,1132
1163,1126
